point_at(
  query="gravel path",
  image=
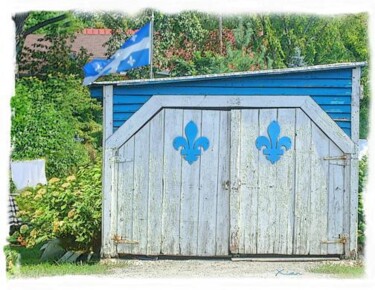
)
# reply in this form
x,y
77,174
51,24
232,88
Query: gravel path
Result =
x,y
215,269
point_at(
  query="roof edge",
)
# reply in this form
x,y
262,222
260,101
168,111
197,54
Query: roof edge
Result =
x,y
240,74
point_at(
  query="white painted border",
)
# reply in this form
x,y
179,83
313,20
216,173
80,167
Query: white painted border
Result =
x,y
157,102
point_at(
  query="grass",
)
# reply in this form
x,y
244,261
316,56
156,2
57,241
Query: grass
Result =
x,y
347,269
28,265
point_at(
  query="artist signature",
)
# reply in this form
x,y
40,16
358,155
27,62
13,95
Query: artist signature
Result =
x,y
283,272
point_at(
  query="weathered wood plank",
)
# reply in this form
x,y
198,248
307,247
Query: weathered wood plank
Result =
x,y
284,190
346,201
249,180
203,101
319,191
335,201
132,125
267,185
141,189
125,193
215,101
235,181
302,184
190,196
209,161
223,187
151,107
173,127
108,247
155,184
356,94
328,126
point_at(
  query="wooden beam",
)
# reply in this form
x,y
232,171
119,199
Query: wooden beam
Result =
x,y
157,102
327,125
286,259
108,247
353,207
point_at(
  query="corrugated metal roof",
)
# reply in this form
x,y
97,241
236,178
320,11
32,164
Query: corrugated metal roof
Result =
x,y
236,74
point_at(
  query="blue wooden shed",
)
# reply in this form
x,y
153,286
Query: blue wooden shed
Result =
x,y
250,163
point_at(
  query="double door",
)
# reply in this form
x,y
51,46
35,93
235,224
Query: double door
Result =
x,y
225,190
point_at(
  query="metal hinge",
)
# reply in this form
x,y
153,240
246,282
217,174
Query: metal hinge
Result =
x,y
345,158
119,240
118,159
343,238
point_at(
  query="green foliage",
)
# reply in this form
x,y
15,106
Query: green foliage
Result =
x,y
353,269
28,264
53,54
363,169
12,259
69,25
49,116
68,209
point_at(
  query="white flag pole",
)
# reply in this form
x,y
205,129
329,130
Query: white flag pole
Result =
x,y
152,44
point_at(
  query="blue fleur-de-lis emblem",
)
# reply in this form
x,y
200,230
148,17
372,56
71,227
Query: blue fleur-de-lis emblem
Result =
x,y
273,150
191,147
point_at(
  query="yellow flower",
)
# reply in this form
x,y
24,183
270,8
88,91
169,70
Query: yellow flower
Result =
x,y
71,213
53,180
56,225
38,196
26,193
65,185
33,233
42,191
21,213
24,229
71,178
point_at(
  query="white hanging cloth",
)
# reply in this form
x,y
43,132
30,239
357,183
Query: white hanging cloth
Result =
x,y
28,173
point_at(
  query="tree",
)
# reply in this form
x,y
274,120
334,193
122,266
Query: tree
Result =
x,y
55,119
30,22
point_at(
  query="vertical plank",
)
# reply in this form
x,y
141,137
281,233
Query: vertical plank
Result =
x,y
302,184
209,161
319,191
108,247
353,208
173,127
284,190
140,200
234,197
249,181
267,185
335,201
155,180
190,196
125,193
222,213
346,201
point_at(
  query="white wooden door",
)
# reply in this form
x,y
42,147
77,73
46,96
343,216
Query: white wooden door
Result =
x,y
230,198
170,201
295,205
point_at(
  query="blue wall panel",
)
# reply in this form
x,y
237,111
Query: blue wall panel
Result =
x,y
331,89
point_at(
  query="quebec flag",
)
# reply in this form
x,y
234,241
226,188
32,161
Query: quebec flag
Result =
x,y
135,52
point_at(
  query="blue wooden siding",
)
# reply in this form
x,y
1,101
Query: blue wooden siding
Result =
x,y
331,89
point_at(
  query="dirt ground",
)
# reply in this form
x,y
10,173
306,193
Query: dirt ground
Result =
x,y
216,269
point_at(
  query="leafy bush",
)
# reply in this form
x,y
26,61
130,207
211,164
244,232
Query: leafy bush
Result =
x,y
363,166
68,209
57,120
12,259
